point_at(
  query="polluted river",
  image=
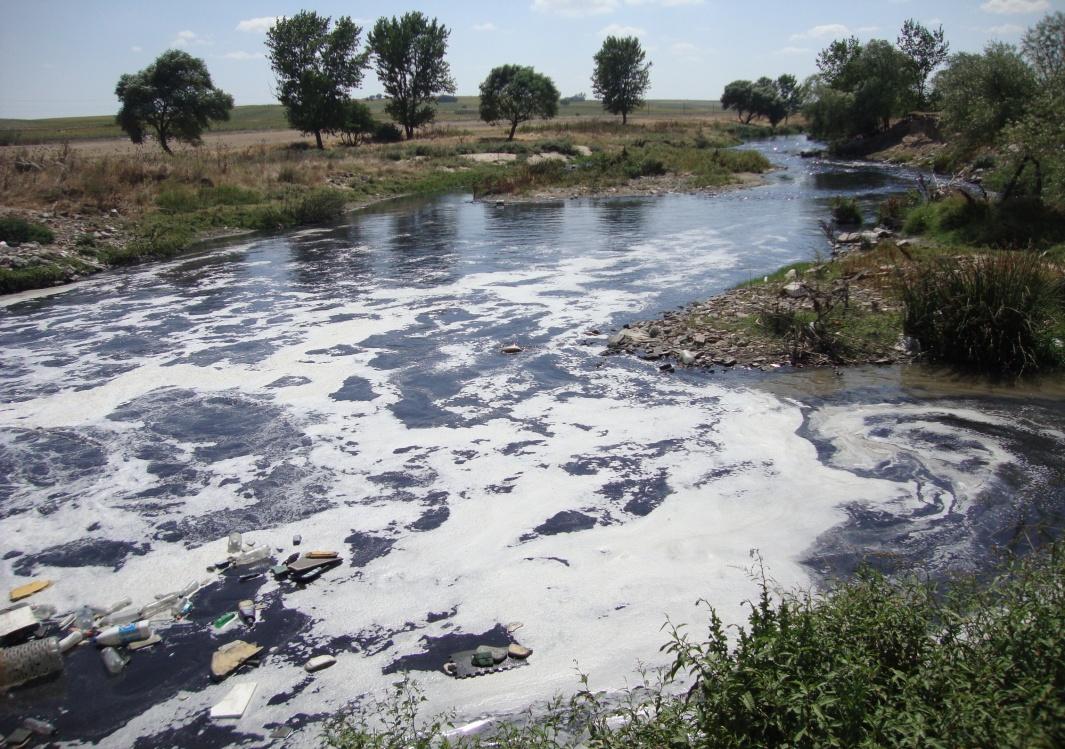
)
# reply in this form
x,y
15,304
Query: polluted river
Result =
x,y
346,384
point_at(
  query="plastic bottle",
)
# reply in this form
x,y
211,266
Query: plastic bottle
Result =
x,y
84,618
118,606
251,557
113,661
39,727
71,641
120,618
163,604
141,630
235,543
246,608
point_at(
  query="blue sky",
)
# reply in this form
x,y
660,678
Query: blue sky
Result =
x,y
63,57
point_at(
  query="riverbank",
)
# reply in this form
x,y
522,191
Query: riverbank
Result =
x,y
106,210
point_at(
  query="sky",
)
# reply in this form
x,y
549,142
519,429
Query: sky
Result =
x,y
63,57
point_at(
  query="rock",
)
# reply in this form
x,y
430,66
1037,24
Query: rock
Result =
x,y
511,348
902,244
794,290
853,237
791,275
687,358
667,367
883,233
518,651
728,361
627,337
870,237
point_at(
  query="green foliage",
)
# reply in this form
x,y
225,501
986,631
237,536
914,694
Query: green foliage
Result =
x,y
1015,224
993,313
409,59
387,132
892,211
34,277
16,230
980,94
621,77
357,123
174,97
846,211
516,94
181,199
860,88
739,96
1044,47
926,49
315,68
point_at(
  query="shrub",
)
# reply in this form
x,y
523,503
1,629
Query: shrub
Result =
x,y
387,132
318,206
845,211
16,230
892,211
992,313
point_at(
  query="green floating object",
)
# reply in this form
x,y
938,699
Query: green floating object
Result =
x,y
224,619
280,570
483,658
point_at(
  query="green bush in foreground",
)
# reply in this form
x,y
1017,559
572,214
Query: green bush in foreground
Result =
x,y
994,313
870,663
16,230
846,212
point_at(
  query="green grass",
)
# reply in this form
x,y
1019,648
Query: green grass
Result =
x,y
1018,224
16,230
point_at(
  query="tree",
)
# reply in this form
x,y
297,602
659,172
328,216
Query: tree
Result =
x,y
926,49
409,59
174,97
982,94
316,68
515,94
621,77
1044,46
739,95
836,62
357,124
791,94
766,101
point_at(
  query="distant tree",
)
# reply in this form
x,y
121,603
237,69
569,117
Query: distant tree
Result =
x,y
515,94
1044,46
767,102
739,96
409,59
316,68
791,94
836,62
926,49
981,94
621,76
174,97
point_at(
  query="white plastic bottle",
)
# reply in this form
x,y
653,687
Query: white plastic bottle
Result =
x,y
251,557
126,633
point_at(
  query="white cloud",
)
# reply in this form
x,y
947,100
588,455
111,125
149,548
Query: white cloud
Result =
x,y
242,55
616,29
136,48
257,25
1006,29
486,26
1014,7
793,51
188,39
686,51
833,31
575,8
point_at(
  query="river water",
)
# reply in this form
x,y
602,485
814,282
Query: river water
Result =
x,y
346,384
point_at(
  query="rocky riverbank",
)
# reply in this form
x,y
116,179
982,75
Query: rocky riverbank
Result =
x,y
839,312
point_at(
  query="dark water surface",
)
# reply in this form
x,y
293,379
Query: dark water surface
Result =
x,y
346,384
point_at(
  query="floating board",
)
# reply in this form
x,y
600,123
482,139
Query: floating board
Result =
x,y
464,668
236,702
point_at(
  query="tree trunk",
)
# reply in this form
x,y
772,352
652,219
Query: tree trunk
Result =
x,y
318,140
164,144
513,127
410,131
624,117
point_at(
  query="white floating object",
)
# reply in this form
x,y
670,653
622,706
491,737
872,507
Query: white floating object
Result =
x,y
318,662
17,618
236,702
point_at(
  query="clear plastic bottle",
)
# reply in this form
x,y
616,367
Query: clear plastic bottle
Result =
x,y
252,556
235,543
113,661
71,641
163,604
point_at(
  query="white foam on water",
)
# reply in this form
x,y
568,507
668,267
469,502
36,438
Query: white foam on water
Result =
x,y
739,478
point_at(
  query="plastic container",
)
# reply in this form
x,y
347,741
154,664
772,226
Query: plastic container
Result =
x,y
120,618
118,606
113,661
111,636
246,608
251,557
29,661
236,543
163,604
84,618
71,641
39,727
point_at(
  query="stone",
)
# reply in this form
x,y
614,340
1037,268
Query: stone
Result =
x,y
518,651
870,237
511,348
794,290
902,244
849,237
791,275
687,358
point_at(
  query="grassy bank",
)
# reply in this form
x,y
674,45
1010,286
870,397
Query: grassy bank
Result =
x,y
118,208
869,662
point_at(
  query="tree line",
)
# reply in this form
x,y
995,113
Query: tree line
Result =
x,y
318,63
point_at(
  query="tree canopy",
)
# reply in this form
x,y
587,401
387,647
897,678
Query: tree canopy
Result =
x,y
773,100
926,49
621,76
1044,46
409,59
174,97
515,94
316,67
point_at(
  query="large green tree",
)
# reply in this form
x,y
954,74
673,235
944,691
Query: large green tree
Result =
x,y
409,59
316,67
515,94
739,96
791,94
173,97
1044,46
621,76
927,50
981,94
